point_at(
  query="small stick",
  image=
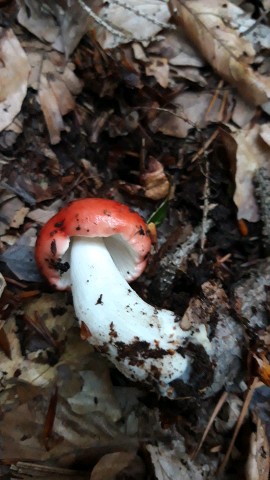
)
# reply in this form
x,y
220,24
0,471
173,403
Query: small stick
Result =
x,y
217,408
240,420
101,22
205,146
206,193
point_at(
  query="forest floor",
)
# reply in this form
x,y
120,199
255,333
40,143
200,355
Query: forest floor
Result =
x,y
165,108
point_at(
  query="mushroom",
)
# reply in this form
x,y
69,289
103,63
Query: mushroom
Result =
x,y
95,247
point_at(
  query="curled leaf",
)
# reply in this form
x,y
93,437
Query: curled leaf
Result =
x,y
210,27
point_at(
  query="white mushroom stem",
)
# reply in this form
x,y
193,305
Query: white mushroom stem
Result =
x,y
145,343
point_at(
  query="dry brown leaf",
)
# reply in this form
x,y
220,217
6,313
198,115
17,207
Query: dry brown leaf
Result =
x,y
159,68
119,464
190,111
57,84
252,153
122,16
209,26
57,23
242,112
14,74
51,110
41,216
155,181
265,133
188,73
12,211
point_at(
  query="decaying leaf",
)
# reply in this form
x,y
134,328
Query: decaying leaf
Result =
x,y
57,85
12,211
133,19
62,24
210,27
154,180
258,463
189,111
158,68
242,112
119,465
14,74
252,154
171,462
2,284
19,257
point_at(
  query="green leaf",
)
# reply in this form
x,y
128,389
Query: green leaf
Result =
x,y
159,215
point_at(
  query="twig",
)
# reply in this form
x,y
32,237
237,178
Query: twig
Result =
x,y
205,146
214,98
167,110
206,194
217,408
240,420
256,23
101,22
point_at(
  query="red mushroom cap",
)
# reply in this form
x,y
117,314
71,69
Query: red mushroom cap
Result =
x,y
91,217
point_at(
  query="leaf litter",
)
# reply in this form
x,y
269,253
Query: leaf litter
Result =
x,y
174,122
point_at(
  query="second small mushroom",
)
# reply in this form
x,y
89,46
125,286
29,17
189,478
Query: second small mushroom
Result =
x,y
95,247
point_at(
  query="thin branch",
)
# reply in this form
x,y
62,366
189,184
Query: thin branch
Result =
x,y
256,23
217,408
206,207
101,22
240,421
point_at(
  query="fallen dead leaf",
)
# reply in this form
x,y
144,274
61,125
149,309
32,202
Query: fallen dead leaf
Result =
x,y
258,462
189,111
209,25
242,112
171,462
133,19
41,216
14,74
13,212
154,180
265,133
51,111
252,153
57,85
159,68
2,284
20,257
119,464
61,27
